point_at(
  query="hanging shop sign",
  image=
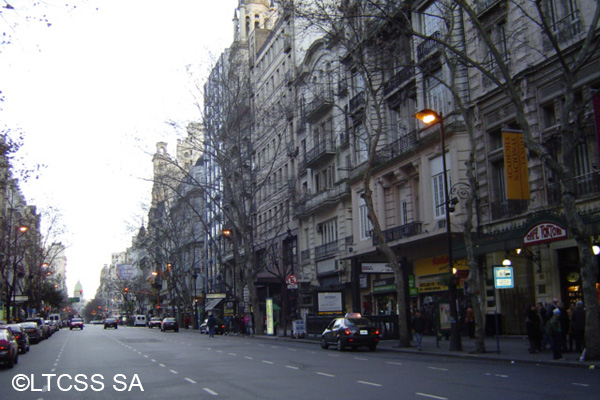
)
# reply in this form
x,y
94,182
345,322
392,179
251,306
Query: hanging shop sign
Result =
x,y
376,268
543,233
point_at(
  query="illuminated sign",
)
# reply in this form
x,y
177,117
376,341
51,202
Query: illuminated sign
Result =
x,y
543,233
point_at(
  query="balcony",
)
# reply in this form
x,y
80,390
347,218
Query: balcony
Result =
x,y
483,6
357,103
326,250
400,232
401,146
428,46
508,208
323,150
398,80
311,203
321,103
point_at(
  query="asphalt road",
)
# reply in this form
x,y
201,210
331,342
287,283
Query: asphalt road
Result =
x,y
139,363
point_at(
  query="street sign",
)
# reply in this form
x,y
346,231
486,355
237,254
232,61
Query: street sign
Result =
x,y
503,278
292,282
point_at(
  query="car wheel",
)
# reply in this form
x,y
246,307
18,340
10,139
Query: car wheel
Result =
x,y
340,345
71,328
10,363
17,358
324,344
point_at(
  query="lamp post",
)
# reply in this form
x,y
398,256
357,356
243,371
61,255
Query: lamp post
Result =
x,y
430,117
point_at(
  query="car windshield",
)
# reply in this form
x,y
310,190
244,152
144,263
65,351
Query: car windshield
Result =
x,y
358,321
110,320
169,320
3,334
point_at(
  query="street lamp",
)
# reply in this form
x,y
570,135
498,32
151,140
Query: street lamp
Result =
x,y
431,117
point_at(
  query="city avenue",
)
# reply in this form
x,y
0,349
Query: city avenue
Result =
x,y
139,363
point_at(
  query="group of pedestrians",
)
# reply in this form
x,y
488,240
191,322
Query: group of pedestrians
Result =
x,y
554,326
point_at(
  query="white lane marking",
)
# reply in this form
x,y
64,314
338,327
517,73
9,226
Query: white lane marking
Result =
x,y
53,369
190,380
581,384
324,374
431,396
369,383
45,388
438,369
393,363
232,354
212,392
173,371
292,349
249,358
153,360
268,362
361,359
291,367
145,355
162,365
333,355
501,376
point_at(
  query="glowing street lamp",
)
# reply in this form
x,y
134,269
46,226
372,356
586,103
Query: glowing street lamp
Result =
x,y
431,117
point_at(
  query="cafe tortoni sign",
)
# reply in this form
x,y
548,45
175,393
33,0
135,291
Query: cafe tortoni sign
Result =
x,y
543,233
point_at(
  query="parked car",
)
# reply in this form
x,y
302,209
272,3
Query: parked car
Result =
x,y
76,323
9,349
352,331
219,327
33,331
56,319
111,323
43,326
169,324
53,326
154,322
21,337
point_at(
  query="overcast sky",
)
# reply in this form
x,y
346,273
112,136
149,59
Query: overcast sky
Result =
x,y
91,89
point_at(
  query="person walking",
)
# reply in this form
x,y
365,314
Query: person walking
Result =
x,y
418,325
470,321
578,326
211,323
554,330
533,323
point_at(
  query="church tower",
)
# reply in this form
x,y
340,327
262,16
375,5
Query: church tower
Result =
x,y
251,15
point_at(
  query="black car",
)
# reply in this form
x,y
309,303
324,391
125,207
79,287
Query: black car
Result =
x,y
111,323
219,327
350,331
169,324
43,326
21,337
33,331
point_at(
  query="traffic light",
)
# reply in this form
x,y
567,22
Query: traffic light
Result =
x,y
126,290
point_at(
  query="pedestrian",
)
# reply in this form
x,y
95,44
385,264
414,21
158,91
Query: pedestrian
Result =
x,y
470,321
545,317
418,325
564,326
533,324
554,330
211,323
578,326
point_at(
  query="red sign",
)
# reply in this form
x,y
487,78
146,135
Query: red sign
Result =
x,y
292,280
543,233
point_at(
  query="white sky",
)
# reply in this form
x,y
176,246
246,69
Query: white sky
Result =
x,y
91,94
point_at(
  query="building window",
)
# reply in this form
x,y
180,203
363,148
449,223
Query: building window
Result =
x,y
365,226
329,231
437,186
435,92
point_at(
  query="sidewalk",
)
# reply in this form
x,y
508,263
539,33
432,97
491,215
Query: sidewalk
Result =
x,y
513,349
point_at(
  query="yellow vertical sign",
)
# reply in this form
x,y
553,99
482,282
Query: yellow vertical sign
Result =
x,y
269,312
515,166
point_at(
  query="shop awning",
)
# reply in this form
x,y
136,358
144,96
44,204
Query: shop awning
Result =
x,y
211,304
